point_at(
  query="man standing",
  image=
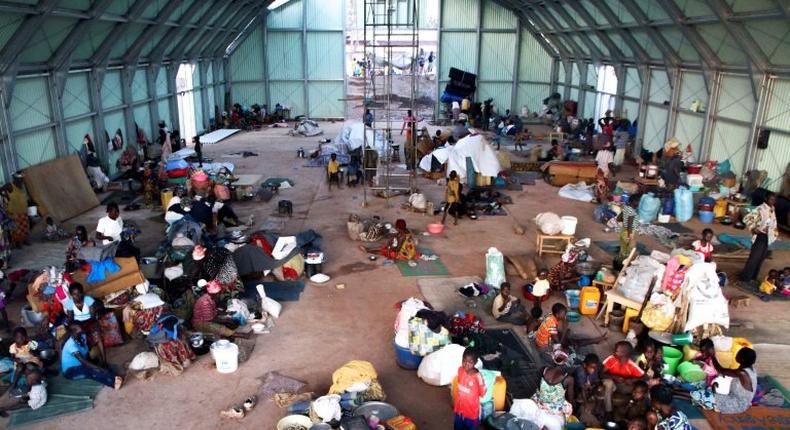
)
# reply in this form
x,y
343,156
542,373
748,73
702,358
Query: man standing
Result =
x,y
763,225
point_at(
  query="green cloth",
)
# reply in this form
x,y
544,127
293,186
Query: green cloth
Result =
x,y
64,397
423,267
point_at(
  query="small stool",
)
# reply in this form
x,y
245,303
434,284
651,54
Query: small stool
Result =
x,y
285,207
395,153
603,286
553,244
629,313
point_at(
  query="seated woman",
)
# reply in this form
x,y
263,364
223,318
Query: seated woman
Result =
x,y
81,310
742,388
205,316
547,408
403,246
79,241
75,363
507,307
128,161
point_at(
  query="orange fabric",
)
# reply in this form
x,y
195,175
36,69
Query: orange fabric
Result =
x,y
613,366
547,329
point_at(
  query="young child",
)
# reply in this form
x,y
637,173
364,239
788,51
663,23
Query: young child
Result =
x,y
453,197
707,352
704,246
333,169
768,286
20,353
785,282
652,363
637,424
471,388
539,290
53,232
35,398
587,392
639,404
534,320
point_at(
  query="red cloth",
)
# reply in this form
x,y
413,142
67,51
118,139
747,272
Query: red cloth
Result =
x,y
261,242
471,388
177,173
17,275
613,366
205,310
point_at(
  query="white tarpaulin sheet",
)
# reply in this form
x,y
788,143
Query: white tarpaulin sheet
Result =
x,y
217,135
352,136
476,147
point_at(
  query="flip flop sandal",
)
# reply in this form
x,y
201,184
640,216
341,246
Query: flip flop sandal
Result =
x,y
236,412
250,403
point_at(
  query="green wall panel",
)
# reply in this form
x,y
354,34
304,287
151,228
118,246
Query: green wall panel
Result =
x,y
29,103
288,15
660,91
692,87
531,96
736,99
325,53
534,62
501,93
775,159
633,85
460,14
283,54
689,129
289,94
249,93
75,98
142,117
457,50
631,110
324,14
35,147
163,106
246,63
139,86
325,101
161,82
498,17
730,142
76,131
497,54
111,90
112,122
655,125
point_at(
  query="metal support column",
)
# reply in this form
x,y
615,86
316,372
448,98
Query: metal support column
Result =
x,y
582,91
203,72
95,82
153,104
305,66
479,48
568,79
439,66
219,80
710,115
672,116
758,118
644,72
514,109
555,74
8,150
127,76
265,55
620,72
55,98
172,94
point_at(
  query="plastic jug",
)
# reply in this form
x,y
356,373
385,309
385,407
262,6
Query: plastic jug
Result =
x,y
720,209
589,299
668,206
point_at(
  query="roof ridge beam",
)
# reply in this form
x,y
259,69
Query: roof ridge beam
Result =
x,y
594,51
180,47
207,38
9,55
102,55
610,16
709,57
133,53
742,37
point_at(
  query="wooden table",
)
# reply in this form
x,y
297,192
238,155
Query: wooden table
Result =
x,y
734,206
612,298
555,244
555,135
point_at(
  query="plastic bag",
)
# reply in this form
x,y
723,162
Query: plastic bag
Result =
x,y
684,204
495,267
649,206
408,309
270,306
440,367
659,313
707,304
549,223
328,407
144,360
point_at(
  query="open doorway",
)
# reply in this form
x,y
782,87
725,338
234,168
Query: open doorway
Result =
x,y
186,101
606,88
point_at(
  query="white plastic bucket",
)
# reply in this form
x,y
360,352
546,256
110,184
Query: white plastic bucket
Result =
x,y
225,355
569,225
32,211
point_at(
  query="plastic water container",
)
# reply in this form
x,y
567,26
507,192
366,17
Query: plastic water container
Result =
x,y
225,355
706,217
405,358
672,358
572,296
589,299
648,209
569,225
684,204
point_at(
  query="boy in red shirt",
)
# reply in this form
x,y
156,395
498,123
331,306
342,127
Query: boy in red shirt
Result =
x,y
620,373
471,388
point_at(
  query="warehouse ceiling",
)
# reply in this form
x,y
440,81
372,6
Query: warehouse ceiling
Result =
x,y
750,36
58,35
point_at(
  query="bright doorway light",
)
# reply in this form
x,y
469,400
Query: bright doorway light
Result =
x,y
276,3
186,101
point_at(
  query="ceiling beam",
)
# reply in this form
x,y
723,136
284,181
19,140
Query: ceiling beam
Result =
x,y
178,51
742,37
203,44
569,43
133,53
671,58
61,59
595,52
9,56
612,18
602,36
548,42
102,55
157,55
247,23
709,57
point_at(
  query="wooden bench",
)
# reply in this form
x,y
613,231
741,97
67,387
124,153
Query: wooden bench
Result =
x,y
555,244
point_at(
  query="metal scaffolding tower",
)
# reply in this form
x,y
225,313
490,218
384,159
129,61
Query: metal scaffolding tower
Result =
x,y
391,40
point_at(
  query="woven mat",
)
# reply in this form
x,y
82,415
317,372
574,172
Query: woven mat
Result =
x,y
423,267
757,417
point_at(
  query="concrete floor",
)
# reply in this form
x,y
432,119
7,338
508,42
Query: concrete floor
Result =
x,y
329,326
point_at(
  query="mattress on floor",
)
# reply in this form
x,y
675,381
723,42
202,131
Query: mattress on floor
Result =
x,y
217,135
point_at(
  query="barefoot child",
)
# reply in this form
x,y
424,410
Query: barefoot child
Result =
x,y
453,197
704,246
333,169
652,363
21,354
35,398
471,388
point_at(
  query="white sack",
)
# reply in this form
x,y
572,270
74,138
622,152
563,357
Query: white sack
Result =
x,y
408,309
581,192
707,304
270,306
440,367
549,223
